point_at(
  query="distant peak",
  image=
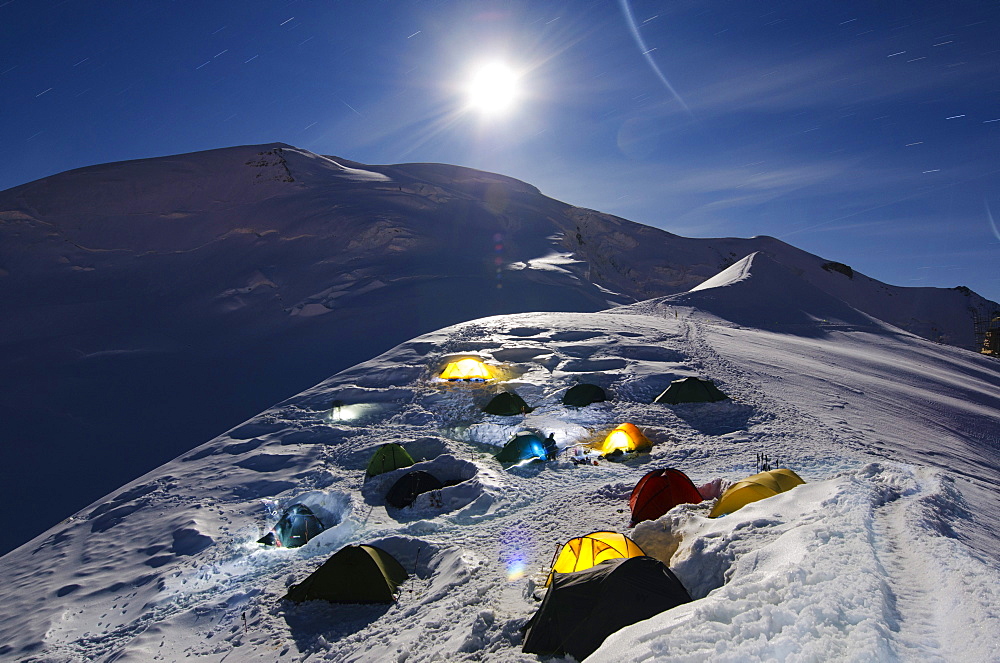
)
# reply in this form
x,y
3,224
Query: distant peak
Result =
x,y
741,270
761,292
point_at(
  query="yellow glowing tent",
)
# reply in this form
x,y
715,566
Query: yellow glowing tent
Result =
x,y
757,487
585,551
625,437
466,369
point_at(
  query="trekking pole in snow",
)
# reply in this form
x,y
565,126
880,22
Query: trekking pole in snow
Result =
x,y
365,521
415,560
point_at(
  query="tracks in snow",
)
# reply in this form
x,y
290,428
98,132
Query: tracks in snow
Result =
x,y
937,596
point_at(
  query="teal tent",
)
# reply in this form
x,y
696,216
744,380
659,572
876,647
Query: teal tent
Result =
x,y
297,525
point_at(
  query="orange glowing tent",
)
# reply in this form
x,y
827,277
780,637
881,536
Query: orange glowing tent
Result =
x,y
467,369
585,551
625,438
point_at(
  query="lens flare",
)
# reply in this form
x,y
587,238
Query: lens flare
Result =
x,y
989,215
515,547
516,570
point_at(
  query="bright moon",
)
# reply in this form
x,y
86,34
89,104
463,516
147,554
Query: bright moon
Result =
x,y
493,88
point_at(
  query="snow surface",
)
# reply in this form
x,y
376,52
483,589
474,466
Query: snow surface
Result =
x,y
150,304
888,552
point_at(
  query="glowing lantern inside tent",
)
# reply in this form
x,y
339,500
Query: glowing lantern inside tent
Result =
x,y
466,369
625,438
592,549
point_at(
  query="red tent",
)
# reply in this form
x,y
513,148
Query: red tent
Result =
x,y
658,492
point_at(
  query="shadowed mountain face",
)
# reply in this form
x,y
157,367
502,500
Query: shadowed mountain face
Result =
x,y
150,305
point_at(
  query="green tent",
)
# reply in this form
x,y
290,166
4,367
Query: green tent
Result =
x,y
691,390
584,394
388,457
354,574
527,445
507,404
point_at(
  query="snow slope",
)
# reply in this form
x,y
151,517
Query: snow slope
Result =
x,y
887,553
150,304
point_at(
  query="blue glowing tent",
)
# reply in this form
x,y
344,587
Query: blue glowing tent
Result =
x,y
527,445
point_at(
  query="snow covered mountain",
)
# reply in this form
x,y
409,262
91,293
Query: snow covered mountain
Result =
x,y
150,304
888,552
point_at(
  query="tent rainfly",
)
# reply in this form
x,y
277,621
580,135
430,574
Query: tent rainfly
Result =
x,y
354,574
389,456
625,438
582,395
409,486
659,491
469,369
585,551
507,404
580,610
754,488
296,526
691,390
527,445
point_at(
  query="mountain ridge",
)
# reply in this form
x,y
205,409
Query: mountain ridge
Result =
x,y
216,283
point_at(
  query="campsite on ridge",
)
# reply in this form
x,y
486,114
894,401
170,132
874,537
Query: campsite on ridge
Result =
x,y
886,551
507,331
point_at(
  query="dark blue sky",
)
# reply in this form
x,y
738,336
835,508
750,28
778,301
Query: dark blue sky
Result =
x,y
865,132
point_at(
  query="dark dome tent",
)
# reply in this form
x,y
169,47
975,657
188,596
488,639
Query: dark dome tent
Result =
x,y
691,390
354,574
389,456
581,609
296,526
583,394
507,404
409,486
527,445
660,491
